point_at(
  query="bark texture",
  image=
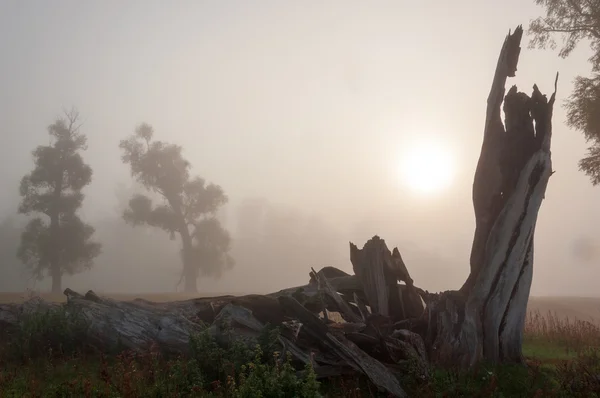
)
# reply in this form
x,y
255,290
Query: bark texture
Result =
x,y
386,324
485,319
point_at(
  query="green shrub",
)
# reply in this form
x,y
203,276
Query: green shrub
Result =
x,y
263,381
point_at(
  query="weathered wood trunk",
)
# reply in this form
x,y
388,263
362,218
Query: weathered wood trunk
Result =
x,y
55,258
485,319
389,322
190,271
56,275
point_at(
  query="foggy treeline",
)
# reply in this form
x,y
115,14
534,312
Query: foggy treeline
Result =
x,y
144,259
274,246
139,246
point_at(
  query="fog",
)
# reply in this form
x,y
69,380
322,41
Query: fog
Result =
x,y
302,112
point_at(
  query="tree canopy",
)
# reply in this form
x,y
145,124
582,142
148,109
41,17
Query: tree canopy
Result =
x,y
575,21
60,242
189,204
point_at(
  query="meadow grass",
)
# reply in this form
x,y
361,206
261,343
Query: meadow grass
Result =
x,y
47,357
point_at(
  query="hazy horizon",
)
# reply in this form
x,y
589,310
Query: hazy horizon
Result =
x,y
311,108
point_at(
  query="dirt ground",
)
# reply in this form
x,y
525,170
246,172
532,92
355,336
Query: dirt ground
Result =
x,y
582,308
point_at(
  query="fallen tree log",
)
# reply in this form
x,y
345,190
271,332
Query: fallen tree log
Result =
x,y
386,321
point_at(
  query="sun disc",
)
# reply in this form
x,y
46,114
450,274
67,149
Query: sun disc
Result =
x,y
427,168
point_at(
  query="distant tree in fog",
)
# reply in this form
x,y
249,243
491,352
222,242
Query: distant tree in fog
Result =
x,y
189,205
56,241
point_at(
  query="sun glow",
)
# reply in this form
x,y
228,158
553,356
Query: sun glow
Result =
x,y
427,168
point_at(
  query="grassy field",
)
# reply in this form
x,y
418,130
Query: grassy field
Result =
x,y
47,359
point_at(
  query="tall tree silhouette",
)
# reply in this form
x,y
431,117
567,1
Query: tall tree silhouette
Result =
x,y
60,242
189,207
575,21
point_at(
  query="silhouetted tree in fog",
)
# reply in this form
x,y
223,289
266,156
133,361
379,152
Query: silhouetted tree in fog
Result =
x,y
189,206
57,241
574,21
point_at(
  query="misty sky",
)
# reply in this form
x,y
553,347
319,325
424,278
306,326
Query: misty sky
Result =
x,y
309,104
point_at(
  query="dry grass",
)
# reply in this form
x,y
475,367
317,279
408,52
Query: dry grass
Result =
x,y
550,336
551,327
